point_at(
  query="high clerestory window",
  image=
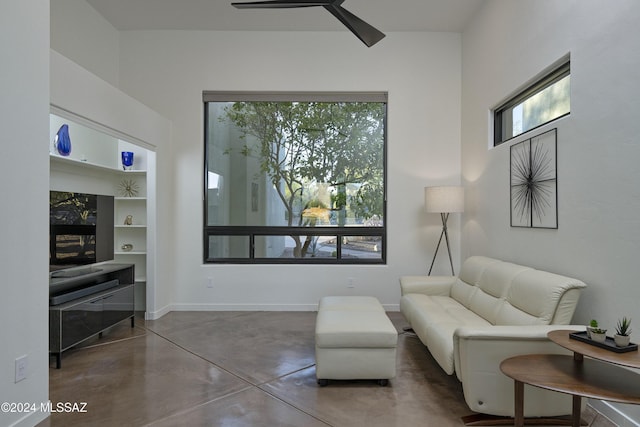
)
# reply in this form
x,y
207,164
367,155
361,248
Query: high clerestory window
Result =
x,y
295,178
547,99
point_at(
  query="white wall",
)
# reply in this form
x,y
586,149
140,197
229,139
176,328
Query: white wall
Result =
x,y
421,71
80,33
24,120
598,239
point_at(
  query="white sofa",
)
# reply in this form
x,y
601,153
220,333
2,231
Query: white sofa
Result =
x,y
493,310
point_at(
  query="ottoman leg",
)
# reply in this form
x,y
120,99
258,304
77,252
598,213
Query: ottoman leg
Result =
x,y
323,383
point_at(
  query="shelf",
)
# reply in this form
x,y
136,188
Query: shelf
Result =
x,y
131,226
79,163
130,253
54,158
120,198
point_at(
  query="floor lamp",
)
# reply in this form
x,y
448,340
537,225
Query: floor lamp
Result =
x,y
443,200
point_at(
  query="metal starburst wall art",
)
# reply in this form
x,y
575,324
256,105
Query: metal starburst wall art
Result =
x,y
128,188
534,183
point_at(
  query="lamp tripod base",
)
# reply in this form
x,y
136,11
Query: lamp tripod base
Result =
x,y
444,217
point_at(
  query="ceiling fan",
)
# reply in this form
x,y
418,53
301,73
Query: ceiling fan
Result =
x,y
365,32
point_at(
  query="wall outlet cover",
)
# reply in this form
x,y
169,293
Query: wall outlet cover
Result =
x,y
22,365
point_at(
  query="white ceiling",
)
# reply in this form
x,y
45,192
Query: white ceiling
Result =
x,y
385,15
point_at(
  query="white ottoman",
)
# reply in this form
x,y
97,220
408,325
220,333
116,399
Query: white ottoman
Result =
x,y
354,340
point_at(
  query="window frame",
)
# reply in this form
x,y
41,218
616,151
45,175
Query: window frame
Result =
x,y
255,231
548,79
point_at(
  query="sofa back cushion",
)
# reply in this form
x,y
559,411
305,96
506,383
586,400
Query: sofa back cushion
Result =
x,y
510,294
493,287
465,286
539,297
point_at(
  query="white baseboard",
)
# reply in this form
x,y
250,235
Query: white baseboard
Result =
x,y
31,419
243,307
155,315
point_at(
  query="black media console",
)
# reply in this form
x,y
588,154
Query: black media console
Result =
x,y
86,301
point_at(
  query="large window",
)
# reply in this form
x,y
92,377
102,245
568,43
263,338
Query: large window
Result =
x,y
547,99
295,177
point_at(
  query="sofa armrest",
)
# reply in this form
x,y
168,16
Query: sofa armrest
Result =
x,y
427,285
478,353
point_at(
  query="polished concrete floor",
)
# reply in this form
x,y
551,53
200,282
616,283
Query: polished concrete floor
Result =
x,y
235,369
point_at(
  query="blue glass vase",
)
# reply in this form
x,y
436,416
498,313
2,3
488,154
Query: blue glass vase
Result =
x,y
62,141
127,160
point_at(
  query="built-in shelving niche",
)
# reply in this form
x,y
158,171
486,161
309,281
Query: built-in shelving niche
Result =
x,y
95,166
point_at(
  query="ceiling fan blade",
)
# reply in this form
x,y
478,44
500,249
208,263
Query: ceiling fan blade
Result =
x,y
365,32
368,34
280,4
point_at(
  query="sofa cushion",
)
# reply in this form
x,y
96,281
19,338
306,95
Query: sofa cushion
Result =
x,y
350,303
538,295
463,292
464,288
493,286
509,315
473,268
497,277
435,318
354,329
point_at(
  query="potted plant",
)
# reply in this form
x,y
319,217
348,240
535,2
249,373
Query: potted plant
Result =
x,y
623,332
598,334
592,325
595,332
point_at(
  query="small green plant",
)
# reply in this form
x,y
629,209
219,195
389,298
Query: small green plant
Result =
x,y
624,327
593,325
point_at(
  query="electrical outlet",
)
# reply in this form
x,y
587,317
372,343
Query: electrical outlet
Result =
x,y
351,283
209,282
22,365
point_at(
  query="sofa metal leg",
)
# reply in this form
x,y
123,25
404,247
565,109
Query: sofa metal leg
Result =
x,y
383,382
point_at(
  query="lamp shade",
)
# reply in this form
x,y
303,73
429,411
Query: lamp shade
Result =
x,y
444,199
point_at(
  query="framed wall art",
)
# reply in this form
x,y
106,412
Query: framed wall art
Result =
x,y
533,182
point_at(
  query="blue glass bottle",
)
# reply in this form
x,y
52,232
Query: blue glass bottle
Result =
x,y
62,141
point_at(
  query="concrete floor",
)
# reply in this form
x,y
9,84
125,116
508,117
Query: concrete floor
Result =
x,y
244,369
